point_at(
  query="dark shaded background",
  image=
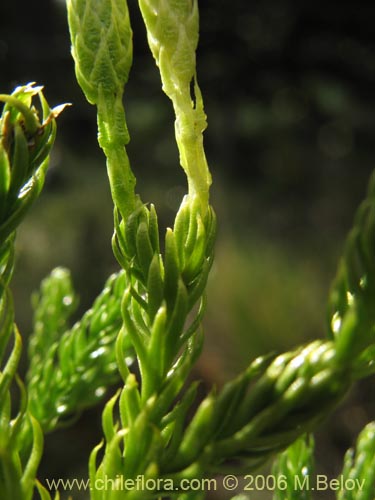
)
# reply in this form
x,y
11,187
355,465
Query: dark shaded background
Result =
x,y
289,93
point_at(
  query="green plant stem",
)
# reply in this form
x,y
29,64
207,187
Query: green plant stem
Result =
x,y
172,31
113,137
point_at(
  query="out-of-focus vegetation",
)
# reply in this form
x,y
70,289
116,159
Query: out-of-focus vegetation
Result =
x,y
288,89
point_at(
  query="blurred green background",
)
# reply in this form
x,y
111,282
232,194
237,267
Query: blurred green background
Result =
x,y
289,92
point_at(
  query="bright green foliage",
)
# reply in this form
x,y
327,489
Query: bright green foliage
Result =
x,y
102,46
172,31
295,465
24,152
145,326
268,406
25,145
72,368
351,306
262,411
163,291
359,467
102,51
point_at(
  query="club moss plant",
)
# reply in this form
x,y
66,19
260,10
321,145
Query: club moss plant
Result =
x,y
144,329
